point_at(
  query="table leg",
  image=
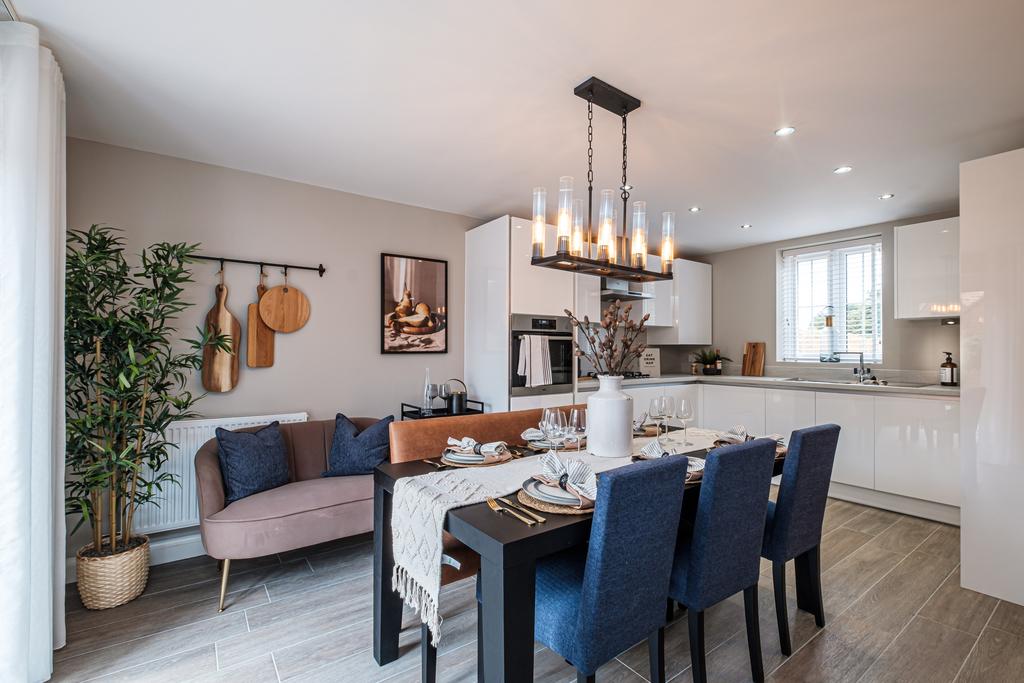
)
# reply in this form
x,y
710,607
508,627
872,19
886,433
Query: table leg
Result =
x,y
387,604
508,604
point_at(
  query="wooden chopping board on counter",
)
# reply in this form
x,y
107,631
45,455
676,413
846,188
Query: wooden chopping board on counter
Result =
x,y
259,351
753,359
284,308
220,368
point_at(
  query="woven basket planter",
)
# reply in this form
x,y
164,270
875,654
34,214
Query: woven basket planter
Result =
x,y
105,582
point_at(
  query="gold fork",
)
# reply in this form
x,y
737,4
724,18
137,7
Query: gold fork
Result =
x,y
517,506
493,504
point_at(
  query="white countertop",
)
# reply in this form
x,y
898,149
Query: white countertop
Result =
x,y
782,383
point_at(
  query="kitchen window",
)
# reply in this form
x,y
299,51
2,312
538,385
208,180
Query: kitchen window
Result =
x,y
839,279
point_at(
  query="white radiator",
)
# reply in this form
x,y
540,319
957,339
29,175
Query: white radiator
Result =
x,y
176,506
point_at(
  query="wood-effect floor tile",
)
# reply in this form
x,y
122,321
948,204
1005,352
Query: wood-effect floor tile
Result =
x,y
1009,617
905,535
958,607
926,652
850,644
997,657
872,521
838,513
944,542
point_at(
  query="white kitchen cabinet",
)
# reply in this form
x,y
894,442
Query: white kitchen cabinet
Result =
x,y
691,306
541,401
588,297
855,455
787,410
691,392
659,306
927,269
535,290
642,396
725,407
917,448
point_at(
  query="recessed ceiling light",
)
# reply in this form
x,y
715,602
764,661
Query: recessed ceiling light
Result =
x,y
842,169
694,209
785,131
887,195
745,226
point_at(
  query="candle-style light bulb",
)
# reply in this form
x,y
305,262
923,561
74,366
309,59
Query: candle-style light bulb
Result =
x,y
639,239
564,222
578,226
540,198
606,227
668,241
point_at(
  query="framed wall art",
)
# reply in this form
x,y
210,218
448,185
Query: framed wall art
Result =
x,y
414,304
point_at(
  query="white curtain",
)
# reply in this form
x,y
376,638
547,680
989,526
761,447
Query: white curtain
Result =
x,y
32,220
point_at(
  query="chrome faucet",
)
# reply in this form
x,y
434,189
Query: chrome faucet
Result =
x,y
863,373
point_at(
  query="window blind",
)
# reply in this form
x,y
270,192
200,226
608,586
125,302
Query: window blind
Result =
x,y
841,278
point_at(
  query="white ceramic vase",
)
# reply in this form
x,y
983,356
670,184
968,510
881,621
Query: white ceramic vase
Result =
x,y
610,419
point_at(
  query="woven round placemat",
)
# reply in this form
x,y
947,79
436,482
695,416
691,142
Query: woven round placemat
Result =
x,y
452,463
528,500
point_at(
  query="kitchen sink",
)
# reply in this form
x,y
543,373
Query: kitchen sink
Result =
x,y
898,385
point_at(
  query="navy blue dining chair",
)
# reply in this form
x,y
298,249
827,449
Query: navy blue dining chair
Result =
x,y
593,603
719,555
793,526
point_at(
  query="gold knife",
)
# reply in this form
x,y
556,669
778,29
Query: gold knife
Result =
x,y
522,509
493,504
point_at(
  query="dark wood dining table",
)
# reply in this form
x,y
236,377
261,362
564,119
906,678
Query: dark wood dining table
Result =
x,y
509,551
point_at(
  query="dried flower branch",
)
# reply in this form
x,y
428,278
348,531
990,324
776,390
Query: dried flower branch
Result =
x,y
614,343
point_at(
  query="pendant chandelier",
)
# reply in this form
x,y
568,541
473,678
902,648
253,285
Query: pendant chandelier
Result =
x,y
606,252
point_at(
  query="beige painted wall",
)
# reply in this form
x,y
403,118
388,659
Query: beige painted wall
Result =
x,y
744,304
334,363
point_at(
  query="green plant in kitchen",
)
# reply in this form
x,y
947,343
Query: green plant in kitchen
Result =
x,y
711,359
613,344
125,373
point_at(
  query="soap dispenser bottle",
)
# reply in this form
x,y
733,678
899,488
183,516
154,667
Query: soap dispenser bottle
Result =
x,y
949,373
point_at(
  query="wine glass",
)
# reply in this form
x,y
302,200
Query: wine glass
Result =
x,y
444,391
577,425
552,424
685,414
662,407
429,394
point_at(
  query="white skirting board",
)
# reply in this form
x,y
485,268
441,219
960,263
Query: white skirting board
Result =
x,y
168,546
915,507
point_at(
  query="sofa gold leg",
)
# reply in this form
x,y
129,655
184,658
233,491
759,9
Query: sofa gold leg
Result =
x,y
224,583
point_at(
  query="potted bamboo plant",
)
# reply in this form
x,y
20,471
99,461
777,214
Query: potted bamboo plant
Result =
x,y
125,375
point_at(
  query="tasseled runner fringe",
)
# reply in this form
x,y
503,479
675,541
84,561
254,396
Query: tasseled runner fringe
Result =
x,y
417,597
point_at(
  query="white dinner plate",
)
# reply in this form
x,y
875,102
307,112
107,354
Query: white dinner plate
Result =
x,y
549,494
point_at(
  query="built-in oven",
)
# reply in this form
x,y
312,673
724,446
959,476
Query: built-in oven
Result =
x,y
551,335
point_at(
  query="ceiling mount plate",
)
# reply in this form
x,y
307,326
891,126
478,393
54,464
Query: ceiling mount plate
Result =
x,y
607,96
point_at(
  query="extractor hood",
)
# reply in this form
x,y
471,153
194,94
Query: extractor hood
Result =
x,y
623,290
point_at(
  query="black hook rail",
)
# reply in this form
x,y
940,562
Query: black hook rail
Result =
x,y
287,266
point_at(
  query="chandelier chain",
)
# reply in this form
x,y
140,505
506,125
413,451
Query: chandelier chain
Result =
x,y
625,185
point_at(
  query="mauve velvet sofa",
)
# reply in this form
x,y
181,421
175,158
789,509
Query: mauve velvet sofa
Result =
x,y
310,509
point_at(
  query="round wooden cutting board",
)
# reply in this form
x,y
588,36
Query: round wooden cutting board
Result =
x,y
284,308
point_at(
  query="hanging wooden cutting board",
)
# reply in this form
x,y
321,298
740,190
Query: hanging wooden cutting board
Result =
x,y
260,347
284,308
220,368
753,359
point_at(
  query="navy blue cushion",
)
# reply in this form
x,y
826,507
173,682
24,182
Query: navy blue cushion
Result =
x,y
720,555
357,452
593,603
251,462
793,525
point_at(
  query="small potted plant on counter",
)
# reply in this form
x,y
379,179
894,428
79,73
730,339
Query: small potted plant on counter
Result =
x,y
711,359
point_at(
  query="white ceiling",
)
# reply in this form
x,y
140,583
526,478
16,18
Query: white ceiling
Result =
x,y
466,106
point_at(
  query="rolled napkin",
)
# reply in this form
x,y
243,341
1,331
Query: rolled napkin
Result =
x,y
653,450
574,476
469,446
533,434
737,434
